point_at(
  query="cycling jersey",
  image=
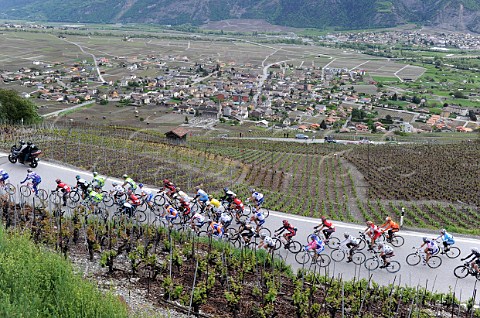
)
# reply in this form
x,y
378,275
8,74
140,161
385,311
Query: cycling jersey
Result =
x,y
328,224
238,204
258,197
132,183
64,187
215,203
316,245
225,218
172,213
82,183
99,181
448,238
432,246
148,194
134,199
390,225
170,186
217,228
185,206
198,218
202,195
34,177
268,240
387,249
95,196
349,240
119,190
4,175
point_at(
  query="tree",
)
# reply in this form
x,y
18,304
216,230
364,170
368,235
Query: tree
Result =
x,y
323,125
14,108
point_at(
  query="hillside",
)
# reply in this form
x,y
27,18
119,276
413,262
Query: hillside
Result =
x,y
458,15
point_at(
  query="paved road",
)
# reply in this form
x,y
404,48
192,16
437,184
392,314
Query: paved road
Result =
x,y
58,112
440,279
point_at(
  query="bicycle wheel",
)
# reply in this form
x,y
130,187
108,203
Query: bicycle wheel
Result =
x,y
393,267
277,243
362,244
461,271
25,191
159,199
453,252
358,258
74,196
302,258
397,241
142,207
294,247
140,216
333,242
413,259
266,231
252,245
337,255
10,188
266,212
323,260
42,194
55,198
371,263
434,262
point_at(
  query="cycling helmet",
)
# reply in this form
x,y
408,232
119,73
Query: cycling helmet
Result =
x,y
29,143
475,250
425,240
140,185
314,237
166,205
98,187
388,219
22,142
95,173
285,222
210,197
263,235
252,190
29,170
125,176
443,231
77,177
323,218
114,184
58,181
346,234
369,222
226,189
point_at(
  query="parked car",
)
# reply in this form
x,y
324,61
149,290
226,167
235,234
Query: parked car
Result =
x,y
301,136
330,140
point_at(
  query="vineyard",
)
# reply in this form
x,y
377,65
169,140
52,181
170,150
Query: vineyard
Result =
x,y
431,183
212,278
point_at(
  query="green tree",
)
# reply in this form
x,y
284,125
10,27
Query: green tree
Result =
x,y
14,108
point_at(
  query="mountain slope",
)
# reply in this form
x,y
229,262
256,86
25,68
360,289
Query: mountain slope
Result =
x,y
459,15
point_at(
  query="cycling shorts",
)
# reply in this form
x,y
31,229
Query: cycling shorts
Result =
x,y
376,235
321,249
260,202
149,197
260,223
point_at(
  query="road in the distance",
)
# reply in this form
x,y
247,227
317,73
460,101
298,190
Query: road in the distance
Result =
x,y
440,280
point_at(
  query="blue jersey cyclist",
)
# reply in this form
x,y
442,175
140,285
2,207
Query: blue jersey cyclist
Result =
x,y
3,176
147,194
201,195
431,248
257,217
316,244
447,240
35,178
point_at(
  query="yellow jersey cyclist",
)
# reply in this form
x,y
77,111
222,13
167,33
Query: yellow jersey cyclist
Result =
x,y
129,183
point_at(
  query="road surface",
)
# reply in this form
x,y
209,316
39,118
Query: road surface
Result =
x,y
440,279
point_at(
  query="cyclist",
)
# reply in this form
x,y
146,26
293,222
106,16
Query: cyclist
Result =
x,y
169,187
225,219
326,227
258,218
475,261
351,243
215,228
386,251
118,191
215,206
3,177
389,226
65,188
316,244
35,178
373,232
96,196
147,194
170,213
132,202
184,206
266,242
256,197
447,240
291,231
201,195
246,231
129,182
197,221
83,184
98,180
237,207
229,195
430,248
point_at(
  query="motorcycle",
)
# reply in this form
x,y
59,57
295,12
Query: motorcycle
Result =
x,y
33,158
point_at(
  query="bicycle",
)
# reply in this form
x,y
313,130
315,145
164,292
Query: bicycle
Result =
x,y
265,211
373,263
56,197
396,240
114,198
415,258
26,191
339,254
332,242
292,245
452,252
466,269
304,257
9,188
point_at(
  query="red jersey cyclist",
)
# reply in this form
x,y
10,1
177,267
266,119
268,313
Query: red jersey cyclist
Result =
x,y
373,232
291,231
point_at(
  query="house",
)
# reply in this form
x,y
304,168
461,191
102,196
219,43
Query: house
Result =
x,y
262,123
177,135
